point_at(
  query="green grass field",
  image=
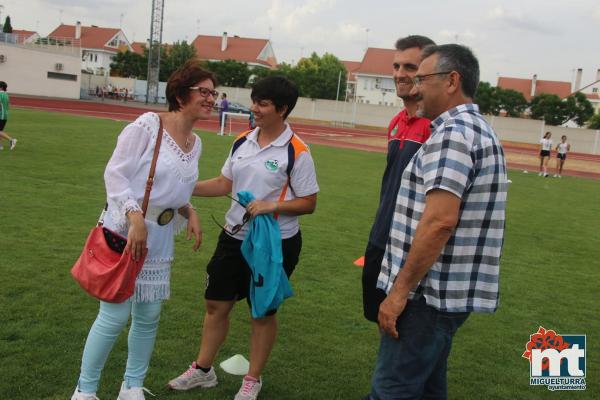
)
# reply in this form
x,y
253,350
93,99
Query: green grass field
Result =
x,y
51,192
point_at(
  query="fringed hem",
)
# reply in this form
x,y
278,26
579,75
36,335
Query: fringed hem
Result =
x,y
179,224
153,281
148,293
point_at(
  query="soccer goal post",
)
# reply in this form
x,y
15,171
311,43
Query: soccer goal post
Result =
x,y
229,116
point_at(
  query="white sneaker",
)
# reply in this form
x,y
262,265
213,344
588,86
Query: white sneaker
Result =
x,y
194,377
540,174
77,395
13,143
250,389
555,176
1,147
134,393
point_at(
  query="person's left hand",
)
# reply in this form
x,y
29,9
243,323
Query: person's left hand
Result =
x,y
194,229
257,207
389,311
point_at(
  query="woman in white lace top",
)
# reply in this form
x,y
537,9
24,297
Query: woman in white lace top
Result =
x,y
191,96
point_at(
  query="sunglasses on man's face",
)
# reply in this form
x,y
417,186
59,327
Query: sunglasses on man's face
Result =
x,y
238,227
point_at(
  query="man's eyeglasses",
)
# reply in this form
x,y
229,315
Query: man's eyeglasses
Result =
x,y
236,228
418,79
205,92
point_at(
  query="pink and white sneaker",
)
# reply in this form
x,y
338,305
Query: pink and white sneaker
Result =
x,y
250,388
194,377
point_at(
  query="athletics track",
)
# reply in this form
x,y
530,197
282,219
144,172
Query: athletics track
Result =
x,y
317,134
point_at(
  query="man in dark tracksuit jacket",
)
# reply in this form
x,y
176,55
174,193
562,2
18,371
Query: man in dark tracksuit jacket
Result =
x,y
406,133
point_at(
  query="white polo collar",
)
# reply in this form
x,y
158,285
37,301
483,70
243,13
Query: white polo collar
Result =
x,y
282,140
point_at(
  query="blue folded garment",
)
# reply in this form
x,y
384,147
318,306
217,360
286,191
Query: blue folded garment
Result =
x,y
261,248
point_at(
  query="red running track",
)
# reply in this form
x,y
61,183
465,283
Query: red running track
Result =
x,y
327,135
128,112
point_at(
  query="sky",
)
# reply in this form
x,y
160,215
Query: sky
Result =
x,y
510,38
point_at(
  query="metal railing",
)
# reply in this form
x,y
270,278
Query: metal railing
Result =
x,y
60,44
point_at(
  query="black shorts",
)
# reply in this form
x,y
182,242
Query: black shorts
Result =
x,y
228,274
561,156
2,124
372,296
544,153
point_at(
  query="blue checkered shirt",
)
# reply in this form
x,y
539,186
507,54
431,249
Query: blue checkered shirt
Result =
x,y
464,157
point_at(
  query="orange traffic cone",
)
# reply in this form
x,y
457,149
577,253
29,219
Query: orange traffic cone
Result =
x,y
360,262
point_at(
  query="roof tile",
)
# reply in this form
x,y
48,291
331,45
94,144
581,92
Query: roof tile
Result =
x,y
377,62
351,66
561,89
92,37
238,48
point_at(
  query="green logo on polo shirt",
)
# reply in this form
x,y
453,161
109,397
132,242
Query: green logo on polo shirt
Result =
x,y
272,165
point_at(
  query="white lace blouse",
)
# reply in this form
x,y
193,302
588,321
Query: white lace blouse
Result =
x,y
125,180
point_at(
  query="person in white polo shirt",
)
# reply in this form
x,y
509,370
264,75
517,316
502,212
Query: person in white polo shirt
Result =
x,y
274,165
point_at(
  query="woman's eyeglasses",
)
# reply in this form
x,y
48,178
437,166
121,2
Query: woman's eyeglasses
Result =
x,y
236,228
205,92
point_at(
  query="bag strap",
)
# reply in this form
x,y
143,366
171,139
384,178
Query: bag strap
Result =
x,y
150,180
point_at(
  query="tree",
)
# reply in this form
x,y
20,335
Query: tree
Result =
x,y
548,107
493,100
579,108
594,122
317,77
7,27
511,101
485,98
282,69
230,73
173,57
555,111
129,64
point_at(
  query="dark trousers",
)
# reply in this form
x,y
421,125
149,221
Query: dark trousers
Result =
x,y
372,297
414,365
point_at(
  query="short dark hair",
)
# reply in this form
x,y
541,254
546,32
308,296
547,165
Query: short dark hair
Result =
x,y
412,41
180,81
280,90
224,94
3,85
454,57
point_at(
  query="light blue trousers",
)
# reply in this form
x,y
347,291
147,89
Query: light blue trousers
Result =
x,y
110,322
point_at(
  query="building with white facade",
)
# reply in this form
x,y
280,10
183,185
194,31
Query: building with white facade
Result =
x,y
373,81
37,67
98,45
